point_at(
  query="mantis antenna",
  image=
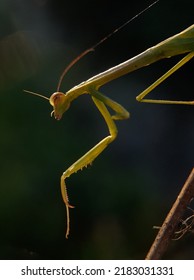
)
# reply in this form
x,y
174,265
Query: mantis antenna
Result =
x,y
37,94
73,62
102,41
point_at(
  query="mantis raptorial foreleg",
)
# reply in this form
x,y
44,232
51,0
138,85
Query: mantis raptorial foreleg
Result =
x,y
144,93
89,157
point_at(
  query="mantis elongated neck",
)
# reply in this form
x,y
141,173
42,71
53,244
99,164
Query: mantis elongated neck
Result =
x,y
178,44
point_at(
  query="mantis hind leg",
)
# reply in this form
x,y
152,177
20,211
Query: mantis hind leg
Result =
x,y
141,96
89,157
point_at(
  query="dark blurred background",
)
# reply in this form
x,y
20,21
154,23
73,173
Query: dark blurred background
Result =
x,y
132,185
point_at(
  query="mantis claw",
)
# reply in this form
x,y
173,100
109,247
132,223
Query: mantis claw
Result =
x,y
68,219
66,201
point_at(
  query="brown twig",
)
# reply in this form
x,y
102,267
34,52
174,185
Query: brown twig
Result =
x,y
167,230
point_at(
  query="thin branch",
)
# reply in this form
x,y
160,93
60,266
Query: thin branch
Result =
x,y
168,228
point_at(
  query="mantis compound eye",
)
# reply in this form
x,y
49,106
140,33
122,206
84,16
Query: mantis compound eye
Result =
x,y
56,98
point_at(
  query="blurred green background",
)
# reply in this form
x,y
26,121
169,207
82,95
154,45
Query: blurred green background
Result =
x,y
132,185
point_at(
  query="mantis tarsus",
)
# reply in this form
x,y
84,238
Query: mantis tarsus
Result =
x,y
180,43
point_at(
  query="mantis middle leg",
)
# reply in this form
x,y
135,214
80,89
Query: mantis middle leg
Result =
x,y
141,96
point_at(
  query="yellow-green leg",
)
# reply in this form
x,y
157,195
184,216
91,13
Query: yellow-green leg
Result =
x,y
141,96
89,157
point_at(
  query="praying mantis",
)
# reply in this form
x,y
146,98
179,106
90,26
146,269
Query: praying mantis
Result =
x,y
181,43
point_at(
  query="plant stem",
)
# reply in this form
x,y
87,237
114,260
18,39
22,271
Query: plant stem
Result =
x,y
167,230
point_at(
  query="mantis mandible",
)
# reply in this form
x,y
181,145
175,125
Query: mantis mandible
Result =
x,y
180,43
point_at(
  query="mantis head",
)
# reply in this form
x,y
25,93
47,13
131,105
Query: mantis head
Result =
x,y
58,100
60,104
